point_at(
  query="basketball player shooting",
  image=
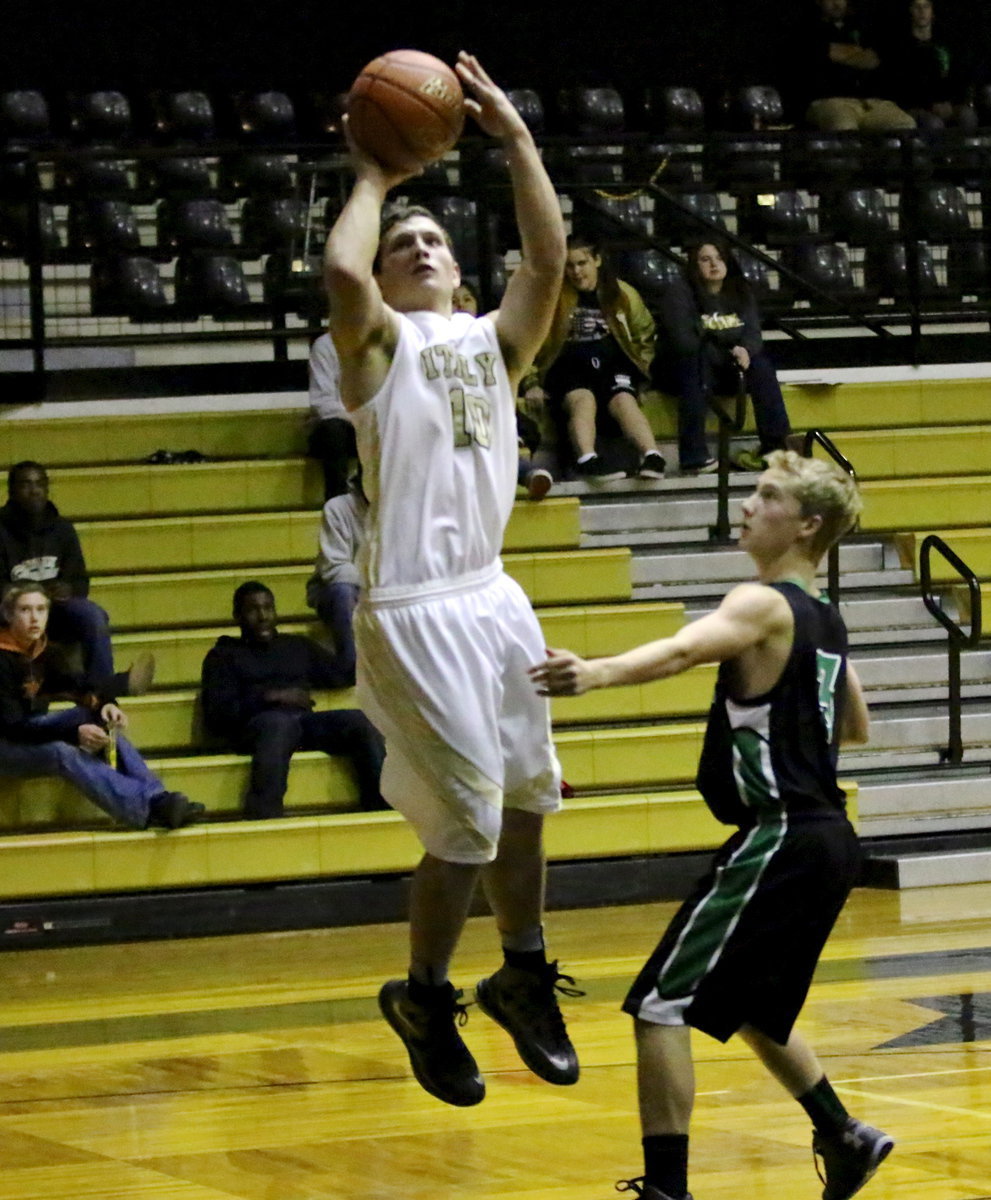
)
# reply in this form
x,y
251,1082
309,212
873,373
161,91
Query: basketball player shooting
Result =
x,y
444,636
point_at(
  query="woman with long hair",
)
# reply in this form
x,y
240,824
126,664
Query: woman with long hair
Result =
x,y
711,345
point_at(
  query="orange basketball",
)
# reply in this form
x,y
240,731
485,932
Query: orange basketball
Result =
x,y
406,109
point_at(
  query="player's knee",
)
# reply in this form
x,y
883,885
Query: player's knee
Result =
x,y
467,844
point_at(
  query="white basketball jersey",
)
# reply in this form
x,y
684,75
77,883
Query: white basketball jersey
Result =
x,y
439,455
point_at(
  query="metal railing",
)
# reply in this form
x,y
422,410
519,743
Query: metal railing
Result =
x,y
816,437
956,639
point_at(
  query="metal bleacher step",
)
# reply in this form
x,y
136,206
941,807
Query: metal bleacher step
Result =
x,y
944,799
907,674
932,868
917,735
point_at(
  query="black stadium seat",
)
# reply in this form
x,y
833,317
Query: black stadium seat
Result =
x,y
856,215
186,116
24,117
127,286
266,117
190,224
211,284
271,223
102,226
674,111
649,271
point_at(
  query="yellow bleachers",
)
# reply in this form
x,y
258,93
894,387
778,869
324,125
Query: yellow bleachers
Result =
x,y
971,545
862,406
246,539
904,453
116,438
191,598
929,502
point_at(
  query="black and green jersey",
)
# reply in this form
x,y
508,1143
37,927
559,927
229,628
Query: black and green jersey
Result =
x,y
776,753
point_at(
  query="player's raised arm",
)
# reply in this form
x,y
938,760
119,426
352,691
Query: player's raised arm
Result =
x,y
525,312
361,324
747,617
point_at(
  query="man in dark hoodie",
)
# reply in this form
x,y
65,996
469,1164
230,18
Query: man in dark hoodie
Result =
x,y
37,545
84,744
257,696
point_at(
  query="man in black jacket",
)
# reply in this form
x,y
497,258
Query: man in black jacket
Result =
x,y
257,696
37,545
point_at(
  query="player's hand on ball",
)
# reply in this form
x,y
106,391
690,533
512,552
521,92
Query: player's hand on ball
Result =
x,y
367,167
561,674
488,103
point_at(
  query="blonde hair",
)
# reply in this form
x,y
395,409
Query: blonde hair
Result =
x,y
823,490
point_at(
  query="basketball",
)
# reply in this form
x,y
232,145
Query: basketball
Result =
x,y
406,109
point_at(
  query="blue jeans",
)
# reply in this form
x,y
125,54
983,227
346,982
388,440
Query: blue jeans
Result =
x,y
693,380
335,605
124,794
81,620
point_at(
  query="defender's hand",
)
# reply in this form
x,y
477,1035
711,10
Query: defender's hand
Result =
x,y
562,674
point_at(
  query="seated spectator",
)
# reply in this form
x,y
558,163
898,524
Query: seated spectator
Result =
x,y
257,696
37,545
595,358
711,345
534,468
839,76
331,434
75,743
925,77
333,588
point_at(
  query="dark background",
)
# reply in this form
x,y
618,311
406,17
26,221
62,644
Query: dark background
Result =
x,y
57,45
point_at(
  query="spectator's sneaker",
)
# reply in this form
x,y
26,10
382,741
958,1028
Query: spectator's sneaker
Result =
x,y
140,674
651,466
705,468
172,810
539,483
442,1063
524,1004
849,1158
646,1191
595,470
749,460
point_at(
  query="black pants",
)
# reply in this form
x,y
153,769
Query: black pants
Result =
x,y
333,443
273,736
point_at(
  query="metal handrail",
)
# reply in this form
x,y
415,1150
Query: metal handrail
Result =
x,y
817,437
956,638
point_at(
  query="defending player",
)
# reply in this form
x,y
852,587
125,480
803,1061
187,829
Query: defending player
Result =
x,y
444,635
739,955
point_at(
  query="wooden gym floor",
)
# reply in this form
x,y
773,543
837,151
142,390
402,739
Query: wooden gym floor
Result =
x,y
258,1067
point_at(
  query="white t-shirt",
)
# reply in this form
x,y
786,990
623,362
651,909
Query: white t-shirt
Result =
x,y
438,450
325,381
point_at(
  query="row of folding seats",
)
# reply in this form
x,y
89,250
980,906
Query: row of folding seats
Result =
x,y
110,118
95,227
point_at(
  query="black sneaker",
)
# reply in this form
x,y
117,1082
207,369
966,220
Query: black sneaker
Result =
x,y
595,470
849,1158
646,1190
524,1004
442,1063
172,810
652,466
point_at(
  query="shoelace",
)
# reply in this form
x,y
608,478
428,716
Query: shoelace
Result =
x,y
632,1185
554,978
